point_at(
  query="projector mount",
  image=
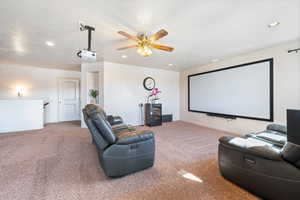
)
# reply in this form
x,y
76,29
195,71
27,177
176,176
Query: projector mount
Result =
x,y
90,29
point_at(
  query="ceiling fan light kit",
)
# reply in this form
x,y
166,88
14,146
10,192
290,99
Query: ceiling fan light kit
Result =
x,y
144,50
145,44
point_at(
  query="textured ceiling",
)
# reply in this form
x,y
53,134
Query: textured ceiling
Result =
x,y
200,30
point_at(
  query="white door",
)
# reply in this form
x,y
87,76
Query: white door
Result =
x,y
68,100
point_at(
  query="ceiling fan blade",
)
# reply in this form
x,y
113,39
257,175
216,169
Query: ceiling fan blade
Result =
x,y
161,47
128,47
158,35
127,35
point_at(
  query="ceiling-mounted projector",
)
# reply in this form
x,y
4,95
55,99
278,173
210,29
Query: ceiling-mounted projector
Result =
x,y
87,55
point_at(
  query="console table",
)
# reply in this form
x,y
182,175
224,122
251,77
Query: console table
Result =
x,y
153,116
21,115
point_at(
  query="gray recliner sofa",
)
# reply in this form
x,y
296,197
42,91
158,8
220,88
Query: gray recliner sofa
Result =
x,y
265,164
121,148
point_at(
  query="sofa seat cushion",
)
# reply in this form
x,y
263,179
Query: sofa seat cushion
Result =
x,y
129,137
273,136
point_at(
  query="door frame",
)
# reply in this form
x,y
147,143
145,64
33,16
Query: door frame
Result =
x,y
58,96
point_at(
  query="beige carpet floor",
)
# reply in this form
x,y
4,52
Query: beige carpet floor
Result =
x,y
59,162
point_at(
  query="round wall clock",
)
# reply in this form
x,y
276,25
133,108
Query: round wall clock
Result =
x,y
149,83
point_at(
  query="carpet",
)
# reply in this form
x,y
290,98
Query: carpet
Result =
x,y
60,162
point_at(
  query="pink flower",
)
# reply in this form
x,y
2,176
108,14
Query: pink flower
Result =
x,y
155,91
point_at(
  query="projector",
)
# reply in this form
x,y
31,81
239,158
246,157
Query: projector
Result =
x,y
87,56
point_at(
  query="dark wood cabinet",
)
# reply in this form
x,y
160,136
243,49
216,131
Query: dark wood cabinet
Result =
x,y
153,116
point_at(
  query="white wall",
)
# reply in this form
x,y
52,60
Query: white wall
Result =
x,y
286,89
123,90
38,83
86,70
121,87
92,83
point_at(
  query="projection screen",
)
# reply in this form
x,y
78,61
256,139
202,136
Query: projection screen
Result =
x,y
244,91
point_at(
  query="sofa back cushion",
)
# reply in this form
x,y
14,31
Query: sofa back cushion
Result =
x,y
100,142
103,127
275,137
278,128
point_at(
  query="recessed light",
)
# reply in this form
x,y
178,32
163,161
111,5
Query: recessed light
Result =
x,y
18,46
124,56
170,64
50,43
273,24
19,49
215,60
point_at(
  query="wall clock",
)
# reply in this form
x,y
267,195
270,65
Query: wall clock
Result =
x,y
149,83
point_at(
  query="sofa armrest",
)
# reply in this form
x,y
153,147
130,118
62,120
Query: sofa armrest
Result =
x,y
225,139
131,137
114,120
267,152
252,146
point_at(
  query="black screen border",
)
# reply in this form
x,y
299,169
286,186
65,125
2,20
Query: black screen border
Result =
x,y
271,117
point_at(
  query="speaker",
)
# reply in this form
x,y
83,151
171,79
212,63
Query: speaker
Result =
x,y
293,126
167,118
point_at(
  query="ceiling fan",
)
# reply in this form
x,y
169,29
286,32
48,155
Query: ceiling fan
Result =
x,y
146,43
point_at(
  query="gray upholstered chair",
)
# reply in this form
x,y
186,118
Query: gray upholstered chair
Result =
x,y
122,150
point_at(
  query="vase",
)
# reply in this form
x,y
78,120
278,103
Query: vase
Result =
x,y
93,101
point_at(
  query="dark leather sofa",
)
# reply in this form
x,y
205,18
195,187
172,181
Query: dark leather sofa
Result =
x,y
262,164
122,150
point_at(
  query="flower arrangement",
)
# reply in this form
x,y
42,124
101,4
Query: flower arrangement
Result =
x,y
94,94
153,95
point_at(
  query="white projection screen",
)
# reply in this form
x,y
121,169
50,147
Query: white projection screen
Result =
x,y
244,91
